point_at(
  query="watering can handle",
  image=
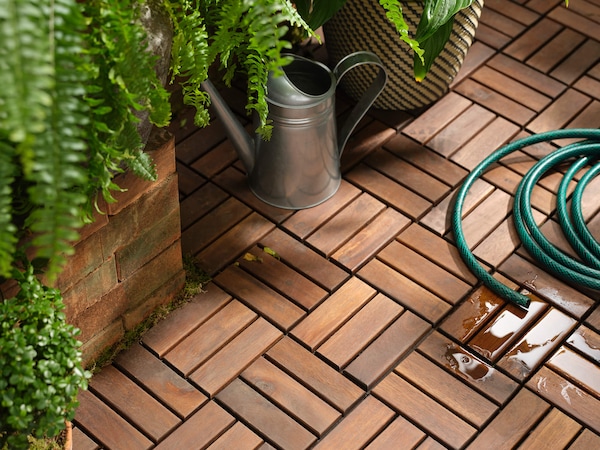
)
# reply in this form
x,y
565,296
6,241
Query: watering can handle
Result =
x,y
364,103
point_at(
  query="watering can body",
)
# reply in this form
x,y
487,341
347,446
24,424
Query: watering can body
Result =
x,y
299,166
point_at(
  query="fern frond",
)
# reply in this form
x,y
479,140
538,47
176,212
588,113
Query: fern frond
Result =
x,y
8,231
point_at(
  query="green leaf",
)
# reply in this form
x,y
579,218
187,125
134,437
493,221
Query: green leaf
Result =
x,y
432,47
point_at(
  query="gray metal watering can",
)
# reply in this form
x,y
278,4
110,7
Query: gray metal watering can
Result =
x,y
299,166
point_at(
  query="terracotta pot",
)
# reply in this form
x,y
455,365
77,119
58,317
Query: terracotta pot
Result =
x,y
362,25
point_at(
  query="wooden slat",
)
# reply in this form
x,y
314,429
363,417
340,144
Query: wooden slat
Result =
x,y
232,359
291,396
586,341
156,377
556,428
358,427
211,336
576,368
315,374
239,437
424,411
385,352
399,434
266,418
360,330
82,441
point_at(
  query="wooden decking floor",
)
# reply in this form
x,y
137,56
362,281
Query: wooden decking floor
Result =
x,y
367,330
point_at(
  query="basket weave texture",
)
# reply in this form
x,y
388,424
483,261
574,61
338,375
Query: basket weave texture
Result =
x,y
362,25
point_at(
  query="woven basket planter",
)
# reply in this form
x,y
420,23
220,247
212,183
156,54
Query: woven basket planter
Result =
x,y
362,25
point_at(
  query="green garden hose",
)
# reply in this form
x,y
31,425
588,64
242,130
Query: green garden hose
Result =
x,y
583,272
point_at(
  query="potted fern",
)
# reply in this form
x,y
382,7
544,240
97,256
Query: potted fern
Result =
x,y
75,79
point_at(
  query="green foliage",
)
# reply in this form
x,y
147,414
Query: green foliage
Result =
x,y
317,12
39,361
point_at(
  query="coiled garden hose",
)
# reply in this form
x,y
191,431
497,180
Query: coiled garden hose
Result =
x,y
583,273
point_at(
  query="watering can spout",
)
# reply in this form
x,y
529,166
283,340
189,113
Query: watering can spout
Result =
x,y
242,142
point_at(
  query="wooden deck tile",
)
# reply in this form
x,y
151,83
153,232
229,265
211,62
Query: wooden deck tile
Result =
x,y
561,112
560,47
388,191
502,331
331,315
424,411
589,86
513,422
567,396
82,441
360,330
529,352
517,12
167,386
211,336
340,229
480,375
315,374
261,298
486,217
306,221
369,138
199,203
581,22
152,418
106,426
181,322
232,359
284,279
533,39
291,396
576,368
305,260
399,434
404,290
488,30
358,427
446,389
216,159
586,341
544,285
410,176
423,271
266,418
229,246
586,440
556,427
239,437
366,243
199,430
188,180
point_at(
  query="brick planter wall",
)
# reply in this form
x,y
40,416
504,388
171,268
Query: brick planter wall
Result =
x,y
128,261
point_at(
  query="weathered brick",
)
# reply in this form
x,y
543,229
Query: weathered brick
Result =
x,y
93,347
87,258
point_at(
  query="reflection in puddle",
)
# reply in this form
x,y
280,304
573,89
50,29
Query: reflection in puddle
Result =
x,y
467,365
579,341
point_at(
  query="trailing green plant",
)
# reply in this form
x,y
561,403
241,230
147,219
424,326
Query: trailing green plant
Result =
x,y
40,363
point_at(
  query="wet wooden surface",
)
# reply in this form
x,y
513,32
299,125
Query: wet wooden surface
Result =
x,y
367,330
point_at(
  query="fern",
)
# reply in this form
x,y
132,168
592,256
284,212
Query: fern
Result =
x,y
8,238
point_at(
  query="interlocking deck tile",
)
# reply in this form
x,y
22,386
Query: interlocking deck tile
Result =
x,y
332,314
232,359
544,285
340,229
471,314
229,246
360,330
239,437
460,131
289,395
261,298
399,434
82,441
152,418
589,117
513,422
533,39
478,54
106,426
216,160
585,441
199,203
423,271
359,426
480,375
305,260
315,374
188,180
306,221
284,279
209,337
575,367
556,427
269,421
567,396
446,389
188,150
424,411
437,117
561,112
488,29
580,22
156,377
389,347
364,141
410,176
486,217
388,191
367,242
589,86
504,328
199,430
561,46
517,12
404,290
181,322
586,341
